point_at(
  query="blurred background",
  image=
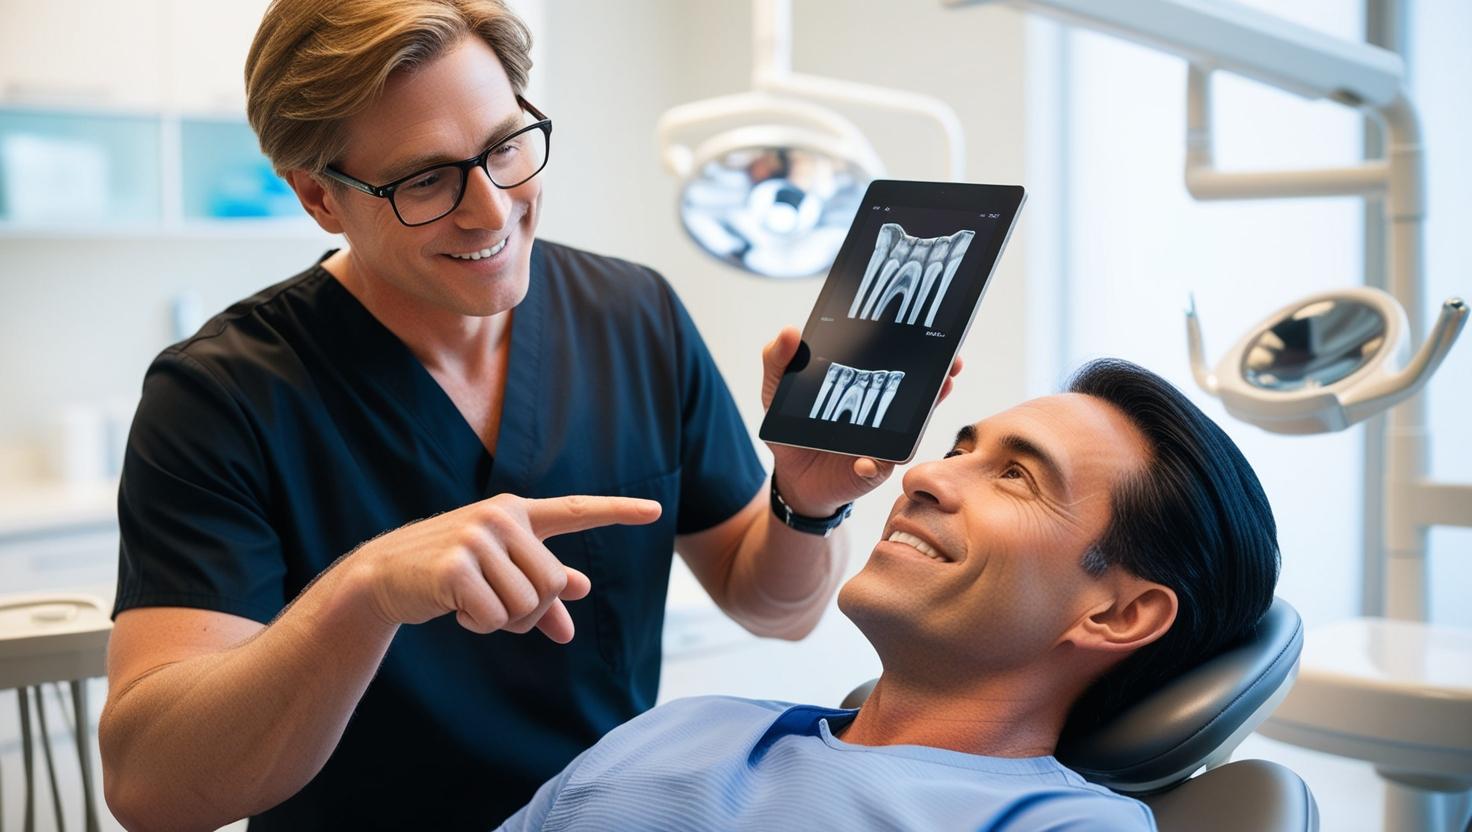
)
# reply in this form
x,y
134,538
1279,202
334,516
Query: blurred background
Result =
x,y
134,204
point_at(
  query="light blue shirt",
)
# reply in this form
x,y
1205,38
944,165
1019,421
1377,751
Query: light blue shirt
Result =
x,y
718,763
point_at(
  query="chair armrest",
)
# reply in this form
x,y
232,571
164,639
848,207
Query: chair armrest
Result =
x,y
1247,794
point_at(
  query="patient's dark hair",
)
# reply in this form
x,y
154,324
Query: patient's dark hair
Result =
x,y
1194,519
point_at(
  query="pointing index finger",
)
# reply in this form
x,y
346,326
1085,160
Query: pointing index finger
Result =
x,y
551,516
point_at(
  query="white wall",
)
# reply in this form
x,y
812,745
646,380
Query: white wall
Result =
x,y
81,315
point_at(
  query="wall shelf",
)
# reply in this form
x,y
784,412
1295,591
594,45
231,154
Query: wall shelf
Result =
x,y
294,228
99,172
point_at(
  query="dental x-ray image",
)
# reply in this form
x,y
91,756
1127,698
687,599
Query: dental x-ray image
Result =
x,y
852,393
907,268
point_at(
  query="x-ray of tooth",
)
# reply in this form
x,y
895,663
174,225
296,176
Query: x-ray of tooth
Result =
x,y
907,267
850,395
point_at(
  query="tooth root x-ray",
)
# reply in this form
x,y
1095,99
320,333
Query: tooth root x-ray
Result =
x,y
853,393
906,267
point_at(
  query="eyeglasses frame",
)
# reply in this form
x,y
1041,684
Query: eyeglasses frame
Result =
x,y
465,166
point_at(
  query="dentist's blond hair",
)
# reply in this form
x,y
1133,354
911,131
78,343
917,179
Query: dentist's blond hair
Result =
x,y
316,63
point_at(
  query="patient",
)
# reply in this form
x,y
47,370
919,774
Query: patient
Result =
x,y
1064,558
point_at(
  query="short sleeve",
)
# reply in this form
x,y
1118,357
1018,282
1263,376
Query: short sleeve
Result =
x,y
719,468
192,503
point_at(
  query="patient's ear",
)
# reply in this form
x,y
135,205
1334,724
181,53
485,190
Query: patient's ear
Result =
x,y
1136,613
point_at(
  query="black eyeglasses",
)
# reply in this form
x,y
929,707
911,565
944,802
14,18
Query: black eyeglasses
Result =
x,y
435,192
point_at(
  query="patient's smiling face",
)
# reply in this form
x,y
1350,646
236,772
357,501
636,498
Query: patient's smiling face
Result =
x,y
981,558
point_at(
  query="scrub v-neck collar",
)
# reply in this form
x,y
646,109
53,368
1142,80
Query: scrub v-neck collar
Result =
x,y
384,360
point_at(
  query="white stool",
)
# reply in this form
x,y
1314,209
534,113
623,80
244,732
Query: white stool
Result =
x,y
1395,693
47,638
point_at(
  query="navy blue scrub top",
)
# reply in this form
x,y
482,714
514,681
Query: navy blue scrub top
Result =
x,y
295,426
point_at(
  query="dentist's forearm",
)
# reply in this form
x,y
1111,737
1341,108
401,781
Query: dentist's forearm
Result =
x,y
207,740
782,579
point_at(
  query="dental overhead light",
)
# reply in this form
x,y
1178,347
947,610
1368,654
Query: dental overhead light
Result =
x,y
776,191
1326,362
775,199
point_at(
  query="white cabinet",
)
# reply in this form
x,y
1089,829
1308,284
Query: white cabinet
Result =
x,y
129,116
184,55
90,52
127,54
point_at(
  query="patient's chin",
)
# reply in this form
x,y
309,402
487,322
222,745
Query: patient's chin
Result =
x,y
874,606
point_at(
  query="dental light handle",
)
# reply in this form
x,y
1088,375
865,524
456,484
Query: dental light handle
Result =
x,y
740,108
771,71
1369,399
927,107
1199,369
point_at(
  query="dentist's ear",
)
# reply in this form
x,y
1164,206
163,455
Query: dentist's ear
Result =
x,y
315,197
1137,613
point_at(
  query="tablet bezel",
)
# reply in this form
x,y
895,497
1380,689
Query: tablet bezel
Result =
x,y
889,445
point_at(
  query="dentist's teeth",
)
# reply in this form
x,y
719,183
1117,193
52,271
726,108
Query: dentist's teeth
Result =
x,y
483,253
915,542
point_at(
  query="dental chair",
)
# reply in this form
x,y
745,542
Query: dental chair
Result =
x,y
1150,749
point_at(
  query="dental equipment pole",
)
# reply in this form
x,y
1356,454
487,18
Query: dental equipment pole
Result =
x,y
1213,35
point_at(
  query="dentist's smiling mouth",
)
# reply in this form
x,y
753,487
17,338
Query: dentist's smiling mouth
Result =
x,y
483,253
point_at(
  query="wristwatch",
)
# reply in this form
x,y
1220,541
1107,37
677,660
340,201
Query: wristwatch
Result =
x,y
823,526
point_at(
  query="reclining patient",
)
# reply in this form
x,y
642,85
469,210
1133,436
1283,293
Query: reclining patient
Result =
x,y
1065,557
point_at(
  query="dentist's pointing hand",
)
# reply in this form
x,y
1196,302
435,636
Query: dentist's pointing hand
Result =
x,y
486,563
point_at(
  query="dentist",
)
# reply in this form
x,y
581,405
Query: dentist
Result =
x,y
293,643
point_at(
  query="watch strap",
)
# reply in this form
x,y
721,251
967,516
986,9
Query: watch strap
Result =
x,y
822,526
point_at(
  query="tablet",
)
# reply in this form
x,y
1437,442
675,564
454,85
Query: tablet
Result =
x,y
891,316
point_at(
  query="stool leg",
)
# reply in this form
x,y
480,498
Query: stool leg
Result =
x,y
50,764
1423,801
84,750
1407,807
29,822
1459,806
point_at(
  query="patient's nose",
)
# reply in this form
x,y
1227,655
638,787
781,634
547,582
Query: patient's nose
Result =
x,y
934,484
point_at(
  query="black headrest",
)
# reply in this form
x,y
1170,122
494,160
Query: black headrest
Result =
x,y
1160,740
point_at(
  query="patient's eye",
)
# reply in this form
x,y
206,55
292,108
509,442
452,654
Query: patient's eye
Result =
x,y
1015,471
953,452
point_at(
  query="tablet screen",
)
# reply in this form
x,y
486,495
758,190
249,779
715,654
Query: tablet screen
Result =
x,y
891,316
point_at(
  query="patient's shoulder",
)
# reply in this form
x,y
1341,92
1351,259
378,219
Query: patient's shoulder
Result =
x,y
676,739
712,721
703,713
698,706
